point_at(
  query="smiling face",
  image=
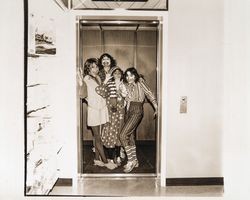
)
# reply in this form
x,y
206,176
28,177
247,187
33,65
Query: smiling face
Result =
x,y
93,70
106,62
117,74
130,77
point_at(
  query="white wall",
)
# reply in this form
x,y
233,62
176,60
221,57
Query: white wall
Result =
x,y
195,70
11,100
61,73
237,99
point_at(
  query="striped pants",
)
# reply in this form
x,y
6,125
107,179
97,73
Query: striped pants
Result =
x,y
133,118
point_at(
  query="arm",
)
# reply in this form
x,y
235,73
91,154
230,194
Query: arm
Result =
x,y
79,76
83,90
82,84
149,94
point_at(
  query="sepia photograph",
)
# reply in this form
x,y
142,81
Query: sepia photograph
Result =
x,y
109,128
124,99
41,35
45,37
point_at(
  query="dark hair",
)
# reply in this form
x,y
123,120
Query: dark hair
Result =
x,y
119,69
88,64
132,70
112,60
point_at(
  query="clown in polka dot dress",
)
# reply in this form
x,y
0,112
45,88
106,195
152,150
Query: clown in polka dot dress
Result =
x,y
114,91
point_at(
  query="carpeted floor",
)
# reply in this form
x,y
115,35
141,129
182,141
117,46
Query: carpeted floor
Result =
x,y
146,154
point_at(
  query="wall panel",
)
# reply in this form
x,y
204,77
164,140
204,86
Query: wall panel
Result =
x,y
128,50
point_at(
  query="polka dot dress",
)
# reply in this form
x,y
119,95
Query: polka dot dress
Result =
x,y
111,130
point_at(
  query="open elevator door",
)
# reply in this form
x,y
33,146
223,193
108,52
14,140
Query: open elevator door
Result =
x,y
133,43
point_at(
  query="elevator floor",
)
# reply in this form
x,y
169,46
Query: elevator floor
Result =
x,y
146,154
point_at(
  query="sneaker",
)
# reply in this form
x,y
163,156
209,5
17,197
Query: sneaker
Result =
x,y
110,165
110,160
130,166
122,154
118,160
136,163
99,163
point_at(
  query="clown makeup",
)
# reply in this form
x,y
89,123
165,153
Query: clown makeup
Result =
x,y
106,61
130,77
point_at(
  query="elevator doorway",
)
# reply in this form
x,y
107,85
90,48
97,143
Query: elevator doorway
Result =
x,y
132,43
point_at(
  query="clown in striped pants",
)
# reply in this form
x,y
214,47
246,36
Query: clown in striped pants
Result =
x,y
133,118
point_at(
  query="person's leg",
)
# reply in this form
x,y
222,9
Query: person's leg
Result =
x,y
111,154
122,153
133,155
133,149
129,128
117,155
100,150
117,151
126,134
97,155
128,151
132,121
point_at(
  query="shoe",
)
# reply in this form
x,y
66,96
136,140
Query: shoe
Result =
x,y
122,154
136,163
130,166
99,163
110,160
110,165
118,160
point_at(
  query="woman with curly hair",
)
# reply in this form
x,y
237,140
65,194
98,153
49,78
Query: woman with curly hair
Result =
x,y
106,63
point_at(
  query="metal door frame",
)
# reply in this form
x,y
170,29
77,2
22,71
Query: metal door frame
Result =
x,y
123,20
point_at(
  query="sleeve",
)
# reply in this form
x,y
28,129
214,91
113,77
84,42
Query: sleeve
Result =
x,y
148,93
83,93
112,91
122,90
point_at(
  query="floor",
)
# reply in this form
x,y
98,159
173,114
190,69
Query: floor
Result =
x,y
146,154
102,182
133,187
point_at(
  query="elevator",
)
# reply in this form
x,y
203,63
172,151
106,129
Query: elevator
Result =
x,y
133,43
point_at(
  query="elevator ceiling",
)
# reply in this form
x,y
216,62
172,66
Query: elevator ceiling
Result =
x,y
131,25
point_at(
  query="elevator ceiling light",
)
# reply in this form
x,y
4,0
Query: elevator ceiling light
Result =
x,y
129,25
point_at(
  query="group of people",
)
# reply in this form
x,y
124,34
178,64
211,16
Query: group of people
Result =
x,y
115,109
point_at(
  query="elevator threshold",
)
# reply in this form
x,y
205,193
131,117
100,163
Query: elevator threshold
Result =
x,y
117,176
